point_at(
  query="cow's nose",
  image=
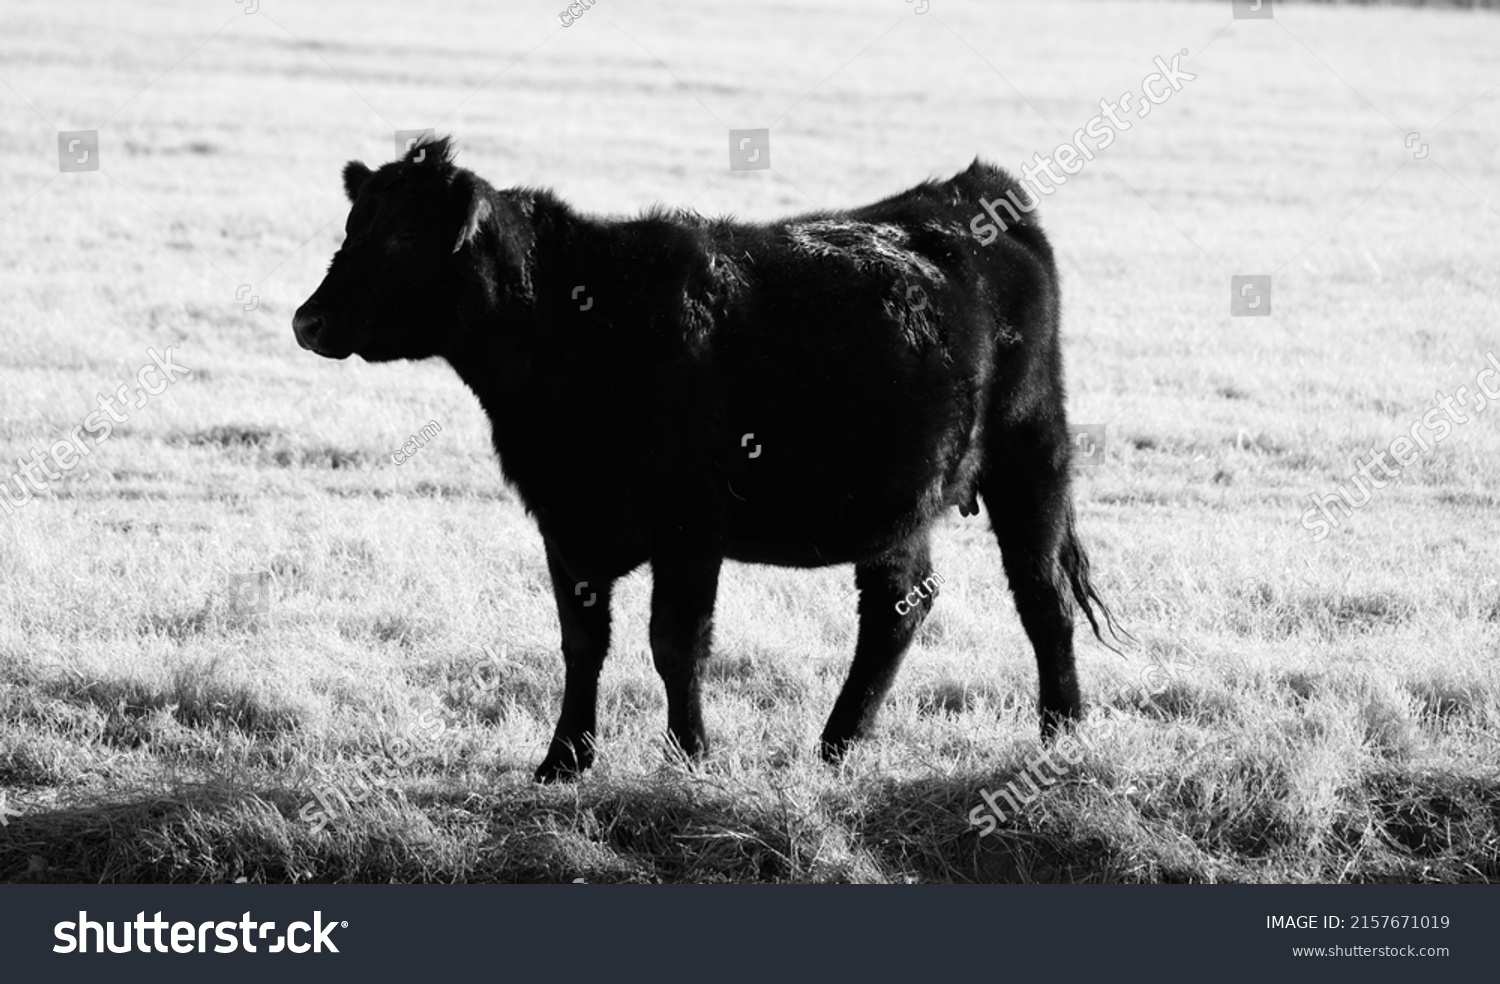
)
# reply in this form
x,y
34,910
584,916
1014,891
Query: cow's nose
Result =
x,y
308,325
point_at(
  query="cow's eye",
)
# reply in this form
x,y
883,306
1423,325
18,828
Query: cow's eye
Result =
x,y
405,236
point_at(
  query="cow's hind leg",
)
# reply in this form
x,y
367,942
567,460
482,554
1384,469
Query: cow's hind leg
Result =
x,y
896,591
583,610
1026,490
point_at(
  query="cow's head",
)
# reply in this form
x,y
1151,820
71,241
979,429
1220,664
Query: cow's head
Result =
x,y
398,286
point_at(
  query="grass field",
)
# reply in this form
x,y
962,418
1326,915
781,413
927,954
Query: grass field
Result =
x,y
1335,712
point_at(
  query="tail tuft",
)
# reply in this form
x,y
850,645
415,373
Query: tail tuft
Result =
x,y
1075,564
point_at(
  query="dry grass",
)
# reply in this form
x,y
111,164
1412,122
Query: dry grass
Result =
x,y
1339,717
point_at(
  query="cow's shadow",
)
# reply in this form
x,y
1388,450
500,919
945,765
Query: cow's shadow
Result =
x,y
1065,832
676,826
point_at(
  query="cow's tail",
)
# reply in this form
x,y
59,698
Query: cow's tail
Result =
x,y
1075,565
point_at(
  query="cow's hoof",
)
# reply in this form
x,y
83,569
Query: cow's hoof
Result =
x,y
1060,722
551,771
686,750
833,750
563,765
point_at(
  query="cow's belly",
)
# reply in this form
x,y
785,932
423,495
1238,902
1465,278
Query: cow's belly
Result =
x,y
842,509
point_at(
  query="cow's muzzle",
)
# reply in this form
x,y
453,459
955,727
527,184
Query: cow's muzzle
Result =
x,y
311,327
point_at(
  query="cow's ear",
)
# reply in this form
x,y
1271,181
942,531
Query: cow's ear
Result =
x,y
355,176
478,212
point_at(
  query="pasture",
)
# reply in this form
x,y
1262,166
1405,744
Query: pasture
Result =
x,y
239,597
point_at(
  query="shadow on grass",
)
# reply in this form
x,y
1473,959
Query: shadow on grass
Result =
x,y
1393,826
1074,832
1397,826
657,830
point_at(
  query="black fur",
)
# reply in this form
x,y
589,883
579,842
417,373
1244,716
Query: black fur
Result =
x,y
812,391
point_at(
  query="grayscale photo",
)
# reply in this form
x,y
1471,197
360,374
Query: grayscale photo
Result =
x,y
896,442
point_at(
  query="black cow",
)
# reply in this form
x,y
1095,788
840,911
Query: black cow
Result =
x,y
681,390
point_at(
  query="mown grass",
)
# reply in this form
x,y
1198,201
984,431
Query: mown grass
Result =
x,y
1337,716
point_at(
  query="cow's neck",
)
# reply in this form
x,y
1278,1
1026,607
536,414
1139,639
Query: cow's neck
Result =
x,y
512,354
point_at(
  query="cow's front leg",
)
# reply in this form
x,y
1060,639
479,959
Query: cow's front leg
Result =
x,y
583,610
895,593
683,589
